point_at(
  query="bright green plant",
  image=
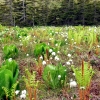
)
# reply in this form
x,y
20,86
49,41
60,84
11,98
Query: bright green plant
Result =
x,y
12,66
55,76
7,85
41,49
10,51
6,80
8,75
31,84
83,76
85,79
10,93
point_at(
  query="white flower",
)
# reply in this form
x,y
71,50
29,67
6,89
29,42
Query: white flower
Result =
x,y
58,52
44,62
59,76
53,53
50,50
27,55
73,74
98,46
41,57
21,44
16,92
23,96
24,92
56,45
68,63
70,60
73,84
71,98
56,58
69,55
51,58
82,87
10,59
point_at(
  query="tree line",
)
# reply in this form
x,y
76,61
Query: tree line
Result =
x,y
49,12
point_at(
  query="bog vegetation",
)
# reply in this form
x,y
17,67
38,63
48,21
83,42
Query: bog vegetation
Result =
x,y
49,63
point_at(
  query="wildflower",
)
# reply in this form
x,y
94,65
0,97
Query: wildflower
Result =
x,y
98,46
27,55
41,57
24,92
50,50
68,63
44,62
51,58
82,87
21,44
56,58
73,74
71,98
73,84
56,45
23,96
58,52
53,53
70,60
69,55
17,92
10,59
59,76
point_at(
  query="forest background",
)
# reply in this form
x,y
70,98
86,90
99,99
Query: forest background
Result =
x,y
49,12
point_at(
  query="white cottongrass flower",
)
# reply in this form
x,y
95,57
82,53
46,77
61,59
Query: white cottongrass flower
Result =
x,y
58,51
44,62
27,55
41,57
59,76
53,53
24,92
98,46
10,59
73,74
70,60
17,92
68,63
82,87
56,45
23,96
69,55
73,84
50,50
56,58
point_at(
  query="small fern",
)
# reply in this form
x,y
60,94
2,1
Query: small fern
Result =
x,y
31,83
83,80
10,93
6,90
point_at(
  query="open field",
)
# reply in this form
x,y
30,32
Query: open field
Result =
x,y
50,63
